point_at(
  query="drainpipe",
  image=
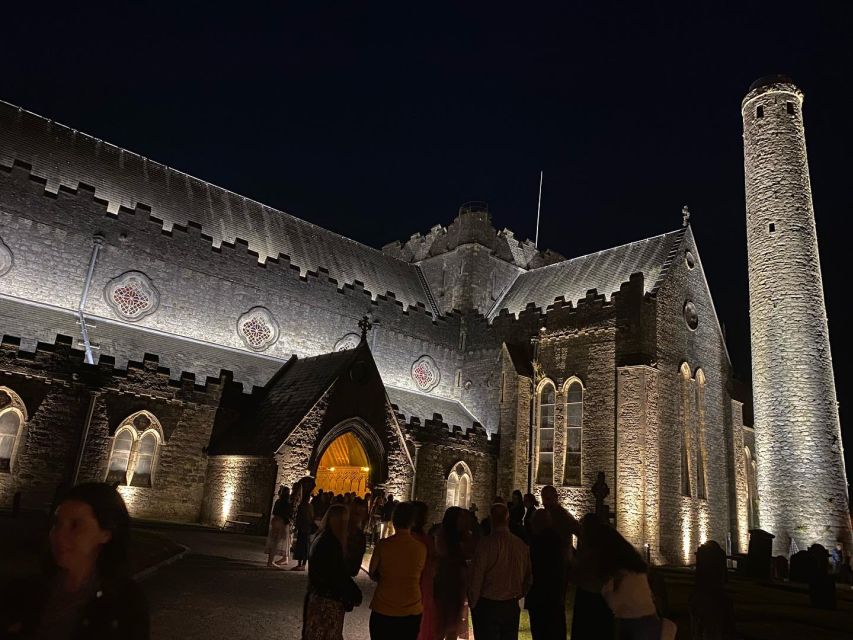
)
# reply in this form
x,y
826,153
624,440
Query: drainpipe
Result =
x,y
93,397
97,243
415,471
537,366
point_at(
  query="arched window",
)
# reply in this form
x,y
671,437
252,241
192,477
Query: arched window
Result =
x,y
685,430
13,415
545,461
120,457
10,427
751,489
574,432
459,484
145,460
134,454
701,480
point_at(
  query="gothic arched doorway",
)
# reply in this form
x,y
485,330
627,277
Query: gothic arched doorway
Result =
x,y
344,466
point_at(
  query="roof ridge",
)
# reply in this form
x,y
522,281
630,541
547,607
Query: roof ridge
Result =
x,y
600,251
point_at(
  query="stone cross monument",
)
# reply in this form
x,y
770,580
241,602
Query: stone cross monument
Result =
x,y
802,486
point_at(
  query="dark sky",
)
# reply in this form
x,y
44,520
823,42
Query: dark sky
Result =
x,y
377,120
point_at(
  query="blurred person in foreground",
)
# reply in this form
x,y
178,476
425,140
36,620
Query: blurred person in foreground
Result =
x,y
331,590
87,591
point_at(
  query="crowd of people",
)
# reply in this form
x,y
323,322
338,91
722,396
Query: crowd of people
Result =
x,y
429,577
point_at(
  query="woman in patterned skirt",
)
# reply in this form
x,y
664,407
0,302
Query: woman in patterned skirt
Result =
x,y
331,590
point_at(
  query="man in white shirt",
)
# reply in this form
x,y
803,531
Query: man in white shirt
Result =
x,y
500,576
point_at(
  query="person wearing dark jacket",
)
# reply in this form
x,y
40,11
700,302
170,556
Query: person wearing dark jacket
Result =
x,y
88,592
546,600
331,590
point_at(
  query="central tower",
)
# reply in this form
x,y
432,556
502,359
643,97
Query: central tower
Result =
x,y
801,476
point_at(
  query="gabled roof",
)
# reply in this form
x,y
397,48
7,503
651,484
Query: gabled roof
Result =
x,y
424,407
285,401
604,271
66,157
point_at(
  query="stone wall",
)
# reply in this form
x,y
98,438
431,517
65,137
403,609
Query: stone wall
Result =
x,y
686,522
60,391
238,484
439,450
637,481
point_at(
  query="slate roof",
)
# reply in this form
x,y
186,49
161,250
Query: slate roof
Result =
x,y
419,405
64,156
604,271
285,400
123,342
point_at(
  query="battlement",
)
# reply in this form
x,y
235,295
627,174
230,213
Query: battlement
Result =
x,y
472,225
61,363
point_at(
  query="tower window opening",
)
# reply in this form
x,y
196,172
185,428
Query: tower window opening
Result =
x,y
772,227
790,107
759,112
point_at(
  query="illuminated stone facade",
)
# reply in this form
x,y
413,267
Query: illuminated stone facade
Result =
x,y
801,475
253,318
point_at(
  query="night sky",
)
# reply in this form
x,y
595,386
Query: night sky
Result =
x,y
377,120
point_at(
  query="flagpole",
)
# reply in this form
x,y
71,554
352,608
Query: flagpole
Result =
x,y
538,210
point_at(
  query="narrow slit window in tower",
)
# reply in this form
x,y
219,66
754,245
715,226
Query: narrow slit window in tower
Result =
x,y
772,227
790,107
759,112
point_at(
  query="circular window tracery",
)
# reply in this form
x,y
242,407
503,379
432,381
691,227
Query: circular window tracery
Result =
x,y
6,258
257,328
691,316
425,373
132,295
349,341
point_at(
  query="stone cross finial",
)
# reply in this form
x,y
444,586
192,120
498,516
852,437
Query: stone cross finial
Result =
x,y
365,325
685,214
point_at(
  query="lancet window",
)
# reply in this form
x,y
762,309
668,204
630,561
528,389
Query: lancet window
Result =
x,y
574,432
545,422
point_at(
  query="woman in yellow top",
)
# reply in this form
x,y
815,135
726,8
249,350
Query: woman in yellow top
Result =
x,y
396,565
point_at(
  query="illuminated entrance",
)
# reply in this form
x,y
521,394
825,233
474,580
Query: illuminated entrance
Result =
x,y
344,467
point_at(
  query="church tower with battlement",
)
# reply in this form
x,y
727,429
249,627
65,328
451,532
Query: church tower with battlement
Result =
x,y
801,475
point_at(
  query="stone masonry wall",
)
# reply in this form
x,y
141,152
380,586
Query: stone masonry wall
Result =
x,y
686,522
439,452
235,485
801,474
637,482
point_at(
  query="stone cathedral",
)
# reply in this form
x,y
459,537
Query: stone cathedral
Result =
x,y
198,348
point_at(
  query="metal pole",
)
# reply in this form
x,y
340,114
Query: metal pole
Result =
x,y
98,241
538,210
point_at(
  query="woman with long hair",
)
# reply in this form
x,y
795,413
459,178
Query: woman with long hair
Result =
x,y
428,626
278,540
331,590
608,564
88,591
454,550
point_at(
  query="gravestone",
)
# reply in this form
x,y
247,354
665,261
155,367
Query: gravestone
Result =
x,y
821,584
760,554
801,567
711,608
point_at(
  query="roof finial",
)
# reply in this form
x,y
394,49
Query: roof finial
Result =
x,y
685,214
365,325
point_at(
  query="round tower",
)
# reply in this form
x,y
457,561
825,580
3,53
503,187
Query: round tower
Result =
x,y
801,477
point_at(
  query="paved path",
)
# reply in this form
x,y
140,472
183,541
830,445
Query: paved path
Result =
x,y
222,589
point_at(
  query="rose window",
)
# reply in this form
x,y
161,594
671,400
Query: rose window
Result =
x,y
425,373
349,341
5,258
257,328
132,296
